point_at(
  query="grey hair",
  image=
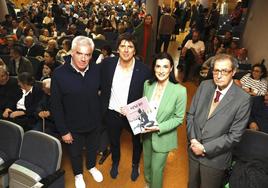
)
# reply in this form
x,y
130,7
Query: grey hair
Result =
x,y
82,40
221,57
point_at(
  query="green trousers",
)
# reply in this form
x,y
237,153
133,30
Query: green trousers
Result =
x,y
154,163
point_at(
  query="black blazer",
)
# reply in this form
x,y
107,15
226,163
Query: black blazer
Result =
x,y
140,73
31,100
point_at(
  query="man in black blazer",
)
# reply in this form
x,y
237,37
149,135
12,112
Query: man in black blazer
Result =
x,y
122,80
216,121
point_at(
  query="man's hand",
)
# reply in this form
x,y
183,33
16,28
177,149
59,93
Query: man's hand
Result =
x,y
6,112
16,114
197,147
44,114
253,126
68,139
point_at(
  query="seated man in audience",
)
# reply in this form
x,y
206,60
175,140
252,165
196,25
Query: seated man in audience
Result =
x,y
9,89
33,50
192,55
21,110
259,114
18,63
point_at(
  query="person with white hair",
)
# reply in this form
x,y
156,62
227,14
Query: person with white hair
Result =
x,y
76,107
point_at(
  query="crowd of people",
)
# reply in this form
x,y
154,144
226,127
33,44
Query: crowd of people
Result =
x,y
57,77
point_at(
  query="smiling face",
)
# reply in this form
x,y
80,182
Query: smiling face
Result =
x,y
162,70
126,50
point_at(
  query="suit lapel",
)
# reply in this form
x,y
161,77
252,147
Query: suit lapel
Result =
x,y
209,99
167,95
228,97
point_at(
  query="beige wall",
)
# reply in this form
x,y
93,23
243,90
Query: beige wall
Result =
x,y
255,37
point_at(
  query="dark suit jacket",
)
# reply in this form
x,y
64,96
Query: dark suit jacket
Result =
x,y
259,113
140,73
35,50
24,66
223,128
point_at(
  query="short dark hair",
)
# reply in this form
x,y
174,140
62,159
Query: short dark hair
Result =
x,y
163,55
263,70
26,78
128,37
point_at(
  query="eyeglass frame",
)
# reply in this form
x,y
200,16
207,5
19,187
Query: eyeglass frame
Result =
x,y
223,72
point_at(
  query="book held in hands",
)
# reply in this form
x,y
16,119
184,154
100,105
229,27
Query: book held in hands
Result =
x,y
138,114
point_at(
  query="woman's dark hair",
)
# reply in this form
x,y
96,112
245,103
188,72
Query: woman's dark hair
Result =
x,y
163,55
26,78
263,70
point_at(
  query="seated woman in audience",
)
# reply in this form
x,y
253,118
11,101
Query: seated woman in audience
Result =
x,y
50,61
255,83
212,47
21,111
106,51
258,119
167,101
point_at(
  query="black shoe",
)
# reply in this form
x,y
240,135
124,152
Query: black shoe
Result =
x,y
104,156
114,171
135,172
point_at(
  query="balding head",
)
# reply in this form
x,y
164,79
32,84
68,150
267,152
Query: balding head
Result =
x,y
28,41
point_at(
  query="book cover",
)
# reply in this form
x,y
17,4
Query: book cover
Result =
x,y
138,114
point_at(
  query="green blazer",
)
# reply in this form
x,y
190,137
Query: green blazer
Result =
x,y
170,115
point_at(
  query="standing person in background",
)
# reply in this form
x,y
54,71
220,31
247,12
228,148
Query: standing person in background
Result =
x,y
145,38
122,80
168,103
216,120
76,108
165,29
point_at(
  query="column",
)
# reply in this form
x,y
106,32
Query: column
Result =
x,y
4,10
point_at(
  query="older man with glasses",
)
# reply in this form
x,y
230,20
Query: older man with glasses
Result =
x,y
215,122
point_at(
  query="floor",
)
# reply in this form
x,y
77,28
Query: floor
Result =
x,y
176,171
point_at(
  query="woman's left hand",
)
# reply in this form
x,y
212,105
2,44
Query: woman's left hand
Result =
x,y
151,129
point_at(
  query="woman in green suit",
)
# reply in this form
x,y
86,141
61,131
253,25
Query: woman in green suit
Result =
x,y
168,103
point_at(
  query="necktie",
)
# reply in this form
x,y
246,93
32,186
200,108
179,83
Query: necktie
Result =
x,y
218,94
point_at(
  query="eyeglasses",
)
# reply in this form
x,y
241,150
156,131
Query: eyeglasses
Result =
x,y
223,72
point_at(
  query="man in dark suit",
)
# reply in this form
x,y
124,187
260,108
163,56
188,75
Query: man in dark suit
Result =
x,y
32,49
122,80
216,121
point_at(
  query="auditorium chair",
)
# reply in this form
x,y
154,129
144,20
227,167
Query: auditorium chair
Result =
x,y
10,142
38,164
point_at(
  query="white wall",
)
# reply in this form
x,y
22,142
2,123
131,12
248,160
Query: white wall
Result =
x,y
255,37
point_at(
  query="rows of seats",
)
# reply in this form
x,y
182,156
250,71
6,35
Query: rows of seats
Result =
x,y
30,159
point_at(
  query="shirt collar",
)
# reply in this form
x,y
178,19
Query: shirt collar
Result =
x,y
224,91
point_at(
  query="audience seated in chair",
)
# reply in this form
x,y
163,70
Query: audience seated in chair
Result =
x,y
9,89
21,110
18,63
255,83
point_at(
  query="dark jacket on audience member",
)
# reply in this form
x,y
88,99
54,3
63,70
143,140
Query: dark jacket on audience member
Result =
x,y
259,113
24,66
8,94
75,98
